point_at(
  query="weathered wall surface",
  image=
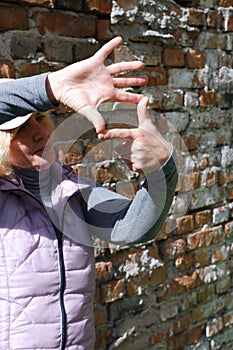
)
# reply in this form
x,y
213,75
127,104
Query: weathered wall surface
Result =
x,y
176,292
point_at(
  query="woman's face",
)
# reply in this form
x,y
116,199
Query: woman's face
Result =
x,y
29,148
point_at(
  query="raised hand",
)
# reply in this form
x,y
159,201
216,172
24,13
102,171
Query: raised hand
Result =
x,y
82,86
144,148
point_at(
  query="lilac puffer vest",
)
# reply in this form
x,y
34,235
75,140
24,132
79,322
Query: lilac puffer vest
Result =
x,y
47,280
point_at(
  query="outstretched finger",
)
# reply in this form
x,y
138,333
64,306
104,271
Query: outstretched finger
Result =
x,y
126,97
122,67
106,49
130,81
123,134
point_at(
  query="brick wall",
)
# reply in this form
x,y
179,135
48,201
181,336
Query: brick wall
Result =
x,y
176,292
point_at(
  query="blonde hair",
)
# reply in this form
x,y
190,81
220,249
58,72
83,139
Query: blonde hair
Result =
x,y
5,142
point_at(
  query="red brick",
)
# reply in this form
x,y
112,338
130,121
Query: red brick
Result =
x,y
158,276
158,337
191,141
228,228
204,162
228,319
133,283
74,5
195,59
202,218
181,323
206,293
229,24
225,178
173,57
205,238
225,3
63,24
188,182
84,49
43,3
173,9
103,337
207,98
101,316
189,281
183,263
7,69
195,181
103,30
113,291
198,80
24,45
13,18
230,192
201,258
210,178
156,76
174,99
214,19
169,289
127,5
214,326
153,251
191,337
196,18
102,6
194,335
182,35
176,342
97,297
29,69
175,248
184,224
58,50
127,256
103,271
219,255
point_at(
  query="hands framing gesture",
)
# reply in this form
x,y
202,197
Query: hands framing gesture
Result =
x,y
82,86
144,148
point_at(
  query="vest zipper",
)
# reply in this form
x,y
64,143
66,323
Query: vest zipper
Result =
x,y
62,287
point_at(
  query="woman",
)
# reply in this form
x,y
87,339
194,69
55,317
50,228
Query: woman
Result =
x,y
49,219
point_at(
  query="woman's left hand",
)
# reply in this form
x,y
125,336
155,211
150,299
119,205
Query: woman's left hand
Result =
x,y
144,148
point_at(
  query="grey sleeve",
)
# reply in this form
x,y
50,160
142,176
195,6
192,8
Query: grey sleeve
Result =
x,y
116,219
22,96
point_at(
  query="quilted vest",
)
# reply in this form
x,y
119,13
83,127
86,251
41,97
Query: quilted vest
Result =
x,y
47,279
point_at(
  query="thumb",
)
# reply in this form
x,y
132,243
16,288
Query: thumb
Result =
x,y
94,117
106,49
142,110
